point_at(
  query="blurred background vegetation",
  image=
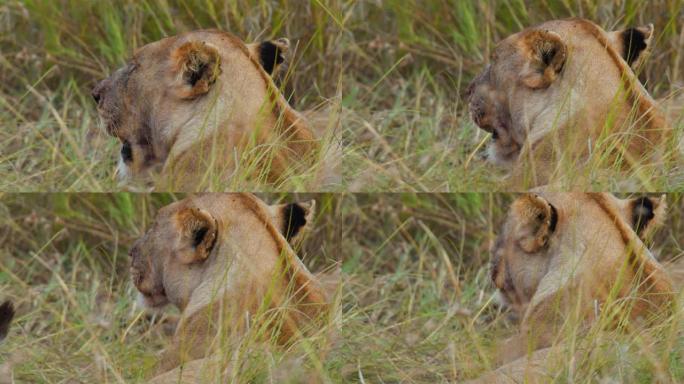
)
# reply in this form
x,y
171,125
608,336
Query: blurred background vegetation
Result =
x,y
64,263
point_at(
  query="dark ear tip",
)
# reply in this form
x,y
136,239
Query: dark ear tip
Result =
x,y
271,54
294,216
643,205
635,42
643,211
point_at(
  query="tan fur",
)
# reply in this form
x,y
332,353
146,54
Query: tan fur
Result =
x,y
591,266
548,116
180,126
242,276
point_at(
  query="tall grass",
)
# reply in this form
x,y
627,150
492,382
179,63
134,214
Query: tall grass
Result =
x,y
417,304
54,52
420,306
409,120
396,69
64,263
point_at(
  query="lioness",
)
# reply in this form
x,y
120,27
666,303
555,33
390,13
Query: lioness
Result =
x,y
556,94
201,104
226,262
575,256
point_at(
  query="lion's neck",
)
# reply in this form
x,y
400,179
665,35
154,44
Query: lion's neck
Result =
x,y
285,141
240,289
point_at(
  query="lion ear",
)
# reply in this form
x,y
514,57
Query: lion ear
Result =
x,y
633,44
198,66
270,53
199,231
293,220
537,221
546,54
646,214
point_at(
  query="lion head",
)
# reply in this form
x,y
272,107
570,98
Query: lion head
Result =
x,y
220,243
579,243
561,76
177,96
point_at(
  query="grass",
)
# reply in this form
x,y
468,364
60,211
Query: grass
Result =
x,y
420,307
416,302
412,129
64,263
393,73
409,124
54,53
